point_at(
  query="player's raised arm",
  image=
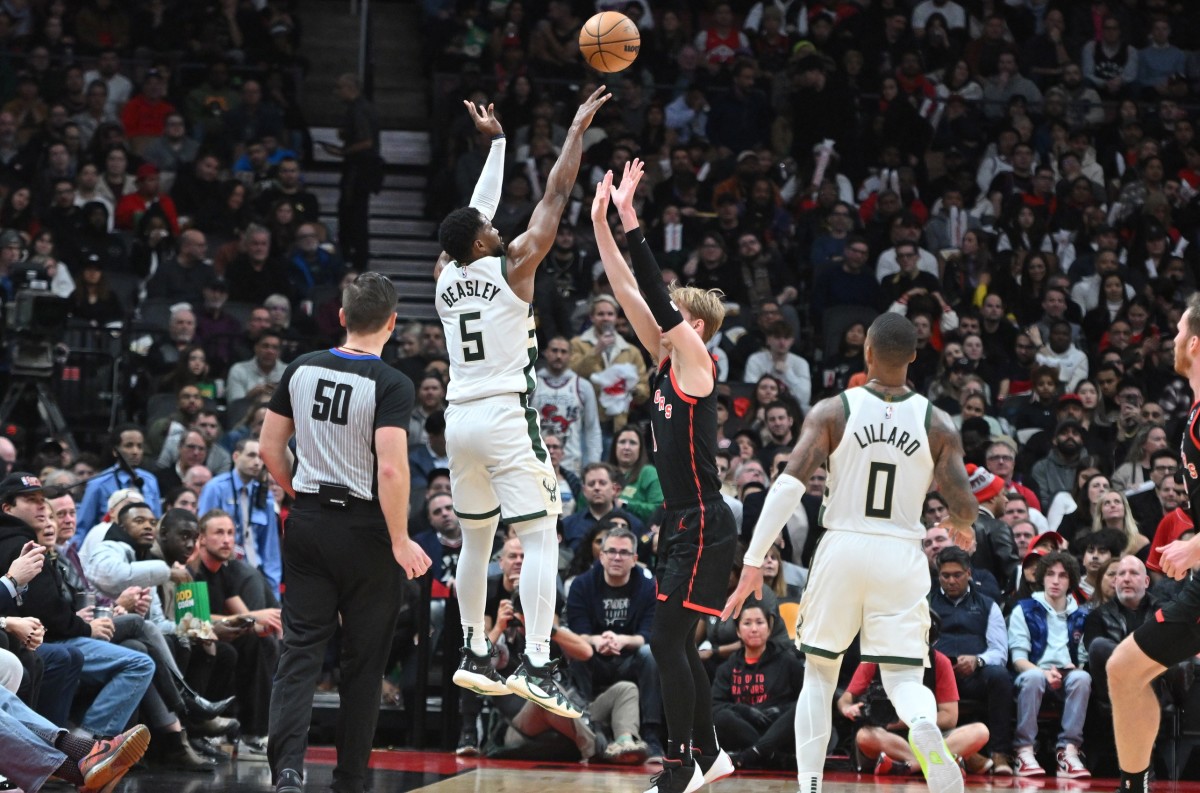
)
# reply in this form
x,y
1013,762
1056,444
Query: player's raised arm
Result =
x,y
691,361
528,250
620,278
819,436
486,197
950,473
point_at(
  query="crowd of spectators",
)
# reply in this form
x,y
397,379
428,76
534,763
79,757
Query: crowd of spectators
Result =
x,y
1020,179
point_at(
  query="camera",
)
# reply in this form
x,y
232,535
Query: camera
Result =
x,y
37,319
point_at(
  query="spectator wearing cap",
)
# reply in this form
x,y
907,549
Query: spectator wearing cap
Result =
x,y
995,550
946,392
132,206
145,115
182,274
121,675
1060,352
1055,473
216,328
975,639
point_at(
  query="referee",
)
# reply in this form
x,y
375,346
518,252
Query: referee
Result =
x,y
349,412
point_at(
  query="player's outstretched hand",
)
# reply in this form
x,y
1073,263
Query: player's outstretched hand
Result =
x,y
484,118
586,111
623,196
411,557
751,582
1178,558
600,201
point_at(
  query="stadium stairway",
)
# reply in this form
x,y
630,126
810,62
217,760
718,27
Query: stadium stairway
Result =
x,y
403,243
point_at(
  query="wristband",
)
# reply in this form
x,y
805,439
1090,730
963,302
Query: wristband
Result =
x,y
780,504
498,137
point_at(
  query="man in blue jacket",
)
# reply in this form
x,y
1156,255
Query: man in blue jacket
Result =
x,y
128,447
249,502
611,607
1045,639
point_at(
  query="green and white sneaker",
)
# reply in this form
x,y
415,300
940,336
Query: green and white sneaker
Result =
x,y
538,685
475,673
941,770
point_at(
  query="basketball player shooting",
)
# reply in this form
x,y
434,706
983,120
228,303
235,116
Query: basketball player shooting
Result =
x,y
498,465
698,537
884,444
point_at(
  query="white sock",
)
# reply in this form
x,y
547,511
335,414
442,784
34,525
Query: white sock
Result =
x,y
814,720
538,576
471,580
906,689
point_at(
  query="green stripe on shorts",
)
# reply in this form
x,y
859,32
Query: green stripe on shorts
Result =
x,y
893,659
808,649
535,435
523,518
484,516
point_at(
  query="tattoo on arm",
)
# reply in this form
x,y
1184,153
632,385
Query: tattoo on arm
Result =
x,y
949,470
820,435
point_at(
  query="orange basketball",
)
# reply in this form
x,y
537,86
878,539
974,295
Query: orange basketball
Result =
x,y
609,41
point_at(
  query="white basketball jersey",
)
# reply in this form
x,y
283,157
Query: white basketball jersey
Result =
x,y
489,331
881,470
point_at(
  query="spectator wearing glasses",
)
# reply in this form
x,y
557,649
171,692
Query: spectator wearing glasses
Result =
x,y
1000,459
172,151
612,607
1155,498
191,450
1109,63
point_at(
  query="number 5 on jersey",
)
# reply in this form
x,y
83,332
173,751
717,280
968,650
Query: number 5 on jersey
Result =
x,y
470,337
335,406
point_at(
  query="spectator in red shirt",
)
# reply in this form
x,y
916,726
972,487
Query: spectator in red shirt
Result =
x,y
865,701
145,115
132,206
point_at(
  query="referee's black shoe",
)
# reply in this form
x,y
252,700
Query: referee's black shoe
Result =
x,y
475,673
538,685
289,782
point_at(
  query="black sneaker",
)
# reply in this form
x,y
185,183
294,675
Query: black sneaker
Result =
x,y
289,782
468,742
475,673
675,777
537,684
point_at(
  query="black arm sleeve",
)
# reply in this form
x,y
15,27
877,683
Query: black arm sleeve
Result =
x,y
649,280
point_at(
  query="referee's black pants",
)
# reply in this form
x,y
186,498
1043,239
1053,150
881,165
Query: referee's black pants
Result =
x,y
335,562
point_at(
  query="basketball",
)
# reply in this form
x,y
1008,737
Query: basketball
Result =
x,y
609,41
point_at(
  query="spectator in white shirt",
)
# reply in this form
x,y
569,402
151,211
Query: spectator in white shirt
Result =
x,y
780,361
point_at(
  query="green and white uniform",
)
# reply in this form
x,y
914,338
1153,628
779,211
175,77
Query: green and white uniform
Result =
x,y
869,569
498,464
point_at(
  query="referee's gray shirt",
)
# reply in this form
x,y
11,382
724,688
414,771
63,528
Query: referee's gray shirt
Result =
x,y
337,400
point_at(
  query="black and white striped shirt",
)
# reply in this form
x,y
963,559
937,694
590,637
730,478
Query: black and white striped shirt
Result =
x,y
337,400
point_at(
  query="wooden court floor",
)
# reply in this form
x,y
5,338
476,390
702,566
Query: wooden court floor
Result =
x,y
441,772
